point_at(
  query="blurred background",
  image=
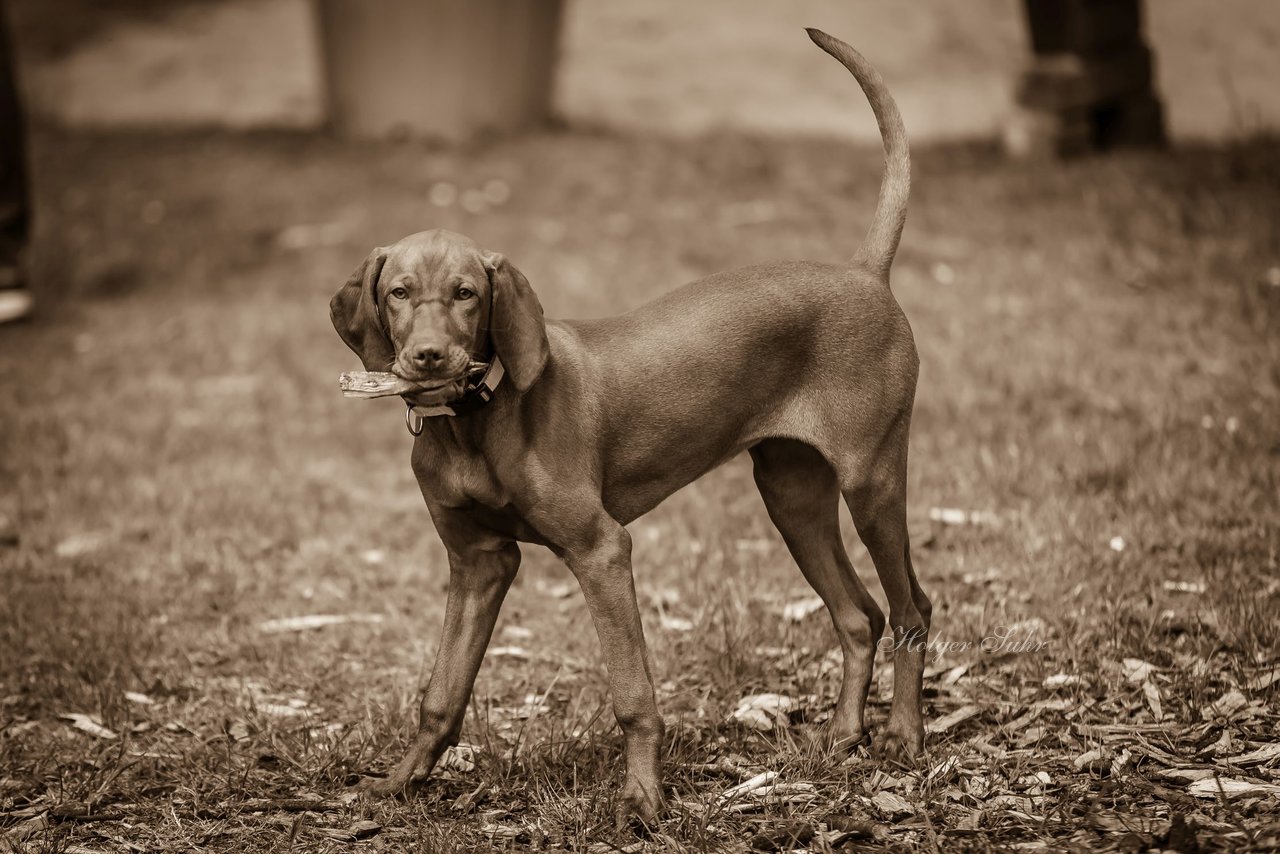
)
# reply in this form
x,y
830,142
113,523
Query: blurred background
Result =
x,y
1091,266
665,66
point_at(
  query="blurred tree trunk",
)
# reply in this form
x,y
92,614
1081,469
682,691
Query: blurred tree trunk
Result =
x,y
438,68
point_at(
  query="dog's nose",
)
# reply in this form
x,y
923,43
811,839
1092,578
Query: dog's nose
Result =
x,y
426,356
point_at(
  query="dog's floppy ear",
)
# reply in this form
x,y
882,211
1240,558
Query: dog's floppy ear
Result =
x,y
354,311
516,327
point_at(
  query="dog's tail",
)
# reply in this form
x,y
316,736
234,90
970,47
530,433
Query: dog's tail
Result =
x,y
881,243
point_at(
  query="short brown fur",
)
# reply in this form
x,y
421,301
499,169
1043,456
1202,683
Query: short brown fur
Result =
x,y
811,368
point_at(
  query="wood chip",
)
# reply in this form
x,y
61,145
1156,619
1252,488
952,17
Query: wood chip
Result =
x,y
854,828
1227,787
1092,760
368,385
786,836
1263,680
1185,775
748,786
1225,706
1256,757
951,719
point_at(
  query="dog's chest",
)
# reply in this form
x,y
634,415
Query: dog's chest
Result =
x,y
450,477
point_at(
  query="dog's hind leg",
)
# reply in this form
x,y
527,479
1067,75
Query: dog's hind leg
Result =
x,y
800,492
878,503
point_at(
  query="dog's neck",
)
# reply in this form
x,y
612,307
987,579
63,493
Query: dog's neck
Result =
x,y
465,434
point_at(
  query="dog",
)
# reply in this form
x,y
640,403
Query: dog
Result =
x,y
580,427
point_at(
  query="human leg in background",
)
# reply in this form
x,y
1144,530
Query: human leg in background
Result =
x,y
15,200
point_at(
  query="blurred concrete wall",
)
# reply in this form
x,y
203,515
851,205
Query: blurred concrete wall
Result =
x,y
676,66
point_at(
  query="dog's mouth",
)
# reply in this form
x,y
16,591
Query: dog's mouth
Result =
x,y
435,394
431,391
436,390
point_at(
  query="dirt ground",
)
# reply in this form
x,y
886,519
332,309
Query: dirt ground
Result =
x,y
1094,499
664,65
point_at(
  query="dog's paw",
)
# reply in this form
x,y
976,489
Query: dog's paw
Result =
x,y
903,748
639,806
841,741
829,741
380,787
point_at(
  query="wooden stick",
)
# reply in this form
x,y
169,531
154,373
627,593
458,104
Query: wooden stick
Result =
x,y
368,385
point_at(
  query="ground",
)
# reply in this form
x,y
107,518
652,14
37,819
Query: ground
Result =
x,y
1095,478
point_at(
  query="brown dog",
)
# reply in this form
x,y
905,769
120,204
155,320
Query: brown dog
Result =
x,y
811,368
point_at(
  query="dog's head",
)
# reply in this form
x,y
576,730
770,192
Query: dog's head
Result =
x,y
426,306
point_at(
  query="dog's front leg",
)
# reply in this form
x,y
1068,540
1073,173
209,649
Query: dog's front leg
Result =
x,y
479,576
602,564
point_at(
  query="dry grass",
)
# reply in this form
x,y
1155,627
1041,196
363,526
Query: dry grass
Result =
x,y
1099,360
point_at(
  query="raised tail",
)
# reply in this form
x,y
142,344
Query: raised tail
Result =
x,y
881,243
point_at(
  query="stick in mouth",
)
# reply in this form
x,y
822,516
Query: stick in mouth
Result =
x,y
368,385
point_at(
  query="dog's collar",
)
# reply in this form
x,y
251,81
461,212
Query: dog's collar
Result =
x,y
474,396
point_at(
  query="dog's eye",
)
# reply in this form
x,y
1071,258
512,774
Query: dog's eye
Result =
x,y
465,293
399,293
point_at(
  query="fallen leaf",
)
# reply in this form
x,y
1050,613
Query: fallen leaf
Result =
x,y
1223,745
1062,680
562,590
1263,680
1225,706
754,545
763,711
140,699
461,757
517,652
238,730
942,769
891,805
1184,586
1152,695
957,516
14,836
88,723
314,621
1136,670
466,803
675,624
785,793
363,830
82,544
797,610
